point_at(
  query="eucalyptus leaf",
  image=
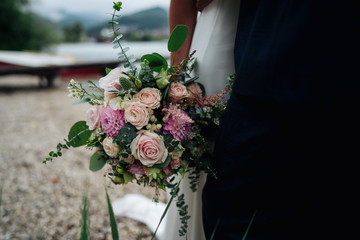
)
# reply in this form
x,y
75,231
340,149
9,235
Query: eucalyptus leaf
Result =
x,y
126,135
97,162
164,164
164,65
177,37
83,100
156,61
168,139
79,134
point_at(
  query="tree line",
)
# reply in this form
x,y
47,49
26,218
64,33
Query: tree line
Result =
x,y
23,30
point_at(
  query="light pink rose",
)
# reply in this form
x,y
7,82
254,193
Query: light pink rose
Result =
x,y
177,92
93,115
136,114
111,81
149,148
150,97
194,90
110,148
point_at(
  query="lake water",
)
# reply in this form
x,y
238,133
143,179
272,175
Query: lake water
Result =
x,y
104,52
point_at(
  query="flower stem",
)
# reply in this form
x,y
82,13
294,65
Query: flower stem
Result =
x,y
118,42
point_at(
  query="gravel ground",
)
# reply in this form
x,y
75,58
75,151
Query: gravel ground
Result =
x,y
41,201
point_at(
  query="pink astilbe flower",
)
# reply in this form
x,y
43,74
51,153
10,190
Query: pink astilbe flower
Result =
x,y
212,100
137,168
175,112
112,121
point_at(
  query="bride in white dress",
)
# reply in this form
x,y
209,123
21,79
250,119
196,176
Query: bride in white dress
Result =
x,y
213,39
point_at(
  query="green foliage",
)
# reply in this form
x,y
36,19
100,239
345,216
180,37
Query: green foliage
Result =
x,y
184,215
156,61
145,75
1,189
22,30
177,37
125,83
129,59
97,161
174,192
126,135
194,177
114,230
250,224
79,134
84,235
73,32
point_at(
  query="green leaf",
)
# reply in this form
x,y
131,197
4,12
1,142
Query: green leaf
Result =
x,y
164,164
79,134
156,61
114,230
83,100
128,177
176,189
126,135
177,37
168,139
107,70
125,83
97,162
117,6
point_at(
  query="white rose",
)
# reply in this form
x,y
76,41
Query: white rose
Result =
x,y
110,148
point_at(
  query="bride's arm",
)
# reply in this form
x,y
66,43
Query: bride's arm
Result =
x,y
182,12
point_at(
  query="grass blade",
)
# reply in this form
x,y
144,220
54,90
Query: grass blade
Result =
x,y
250,223
114,230
214,231
167,207
84,235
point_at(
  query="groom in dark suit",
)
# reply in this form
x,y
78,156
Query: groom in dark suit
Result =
x,y
285,152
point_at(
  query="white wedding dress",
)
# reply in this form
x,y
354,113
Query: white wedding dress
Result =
x,y
213,41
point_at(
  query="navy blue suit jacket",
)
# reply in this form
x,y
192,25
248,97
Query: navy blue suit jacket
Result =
x,y
285,147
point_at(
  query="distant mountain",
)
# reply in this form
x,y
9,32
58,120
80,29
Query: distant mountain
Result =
x,y
152,23
150,19
87,20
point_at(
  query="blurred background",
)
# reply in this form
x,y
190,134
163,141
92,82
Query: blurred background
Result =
x,y
43,45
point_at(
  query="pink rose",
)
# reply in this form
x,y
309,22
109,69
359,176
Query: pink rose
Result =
x,y
111,81
194,90
93,115
136,114
177,92
149,148
110,148
150,97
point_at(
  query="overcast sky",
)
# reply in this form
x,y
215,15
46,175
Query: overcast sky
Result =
x,y
100,6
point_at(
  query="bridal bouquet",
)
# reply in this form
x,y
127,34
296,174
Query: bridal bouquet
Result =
x,y
149,122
